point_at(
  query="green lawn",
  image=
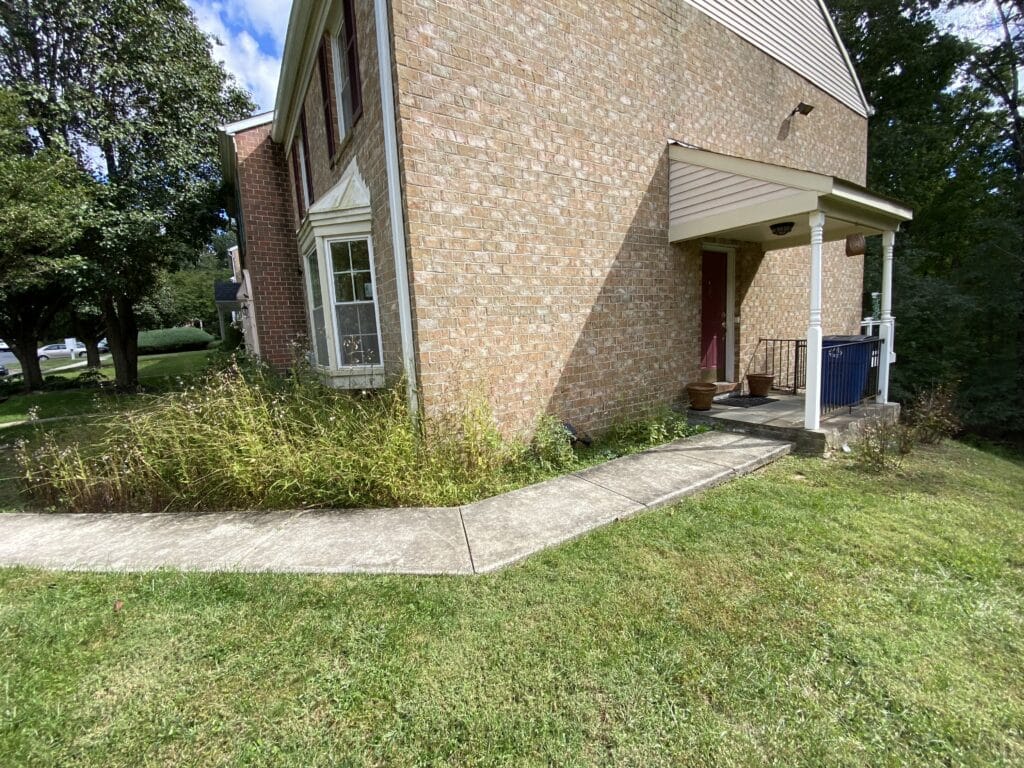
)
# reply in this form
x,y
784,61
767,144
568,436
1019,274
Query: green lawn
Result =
x,y
809,615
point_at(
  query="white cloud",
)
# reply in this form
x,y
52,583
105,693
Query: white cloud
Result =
x,y
239,25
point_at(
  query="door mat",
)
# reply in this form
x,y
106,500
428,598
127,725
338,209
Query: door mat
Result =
x,y
745,401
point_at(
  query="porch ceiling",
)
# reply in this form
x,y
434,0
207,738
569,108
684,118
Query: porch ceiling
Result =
x,y
711,194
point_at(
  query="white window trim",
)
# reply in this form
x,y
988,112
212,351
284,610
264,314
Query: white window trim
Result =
x,y
310,308
329,264
341,214
339,67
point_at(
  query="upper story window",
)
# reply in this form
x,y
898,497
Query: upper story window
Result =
x,y
302,173
325,94
347,82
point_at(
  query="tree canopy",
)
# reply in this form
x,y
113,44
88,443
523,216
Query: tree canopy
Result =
x,y
130,89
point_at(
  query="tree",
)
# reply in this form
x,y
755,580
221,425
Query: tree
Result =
x,y
935,142
131,88
44,203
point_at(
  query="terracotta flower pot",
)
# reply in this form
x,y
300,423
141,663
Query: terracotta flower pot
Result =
x,y
701,395
759,384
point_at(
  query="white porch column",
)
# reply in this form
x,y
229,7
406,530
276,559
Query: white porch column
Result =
x,y
885,329
812,391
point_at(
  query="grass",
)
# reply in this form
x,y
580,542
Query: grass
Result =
x,y
809,615
244,439
159,372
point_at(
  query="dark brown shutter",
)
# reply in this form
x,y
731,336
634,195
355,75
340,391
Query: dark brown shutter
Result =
x,y
352,59
325,93
300,203
305,155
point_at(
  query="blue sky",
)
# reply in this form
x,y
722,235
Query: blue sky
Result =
x,y
251,33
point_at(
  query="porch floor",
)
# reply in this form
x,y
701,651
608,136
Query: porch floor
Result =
x,y
784,420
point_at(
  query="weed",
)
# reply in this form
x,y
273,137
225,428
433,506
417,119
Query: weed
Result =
x,y
933,415
883,444
244,438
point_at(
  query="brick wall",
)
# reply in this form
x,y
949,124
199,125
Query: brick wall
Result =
x,y
364,143
270,252
533,139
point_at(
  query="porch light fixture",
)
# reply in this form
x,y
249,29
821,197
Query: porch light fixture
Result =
x,y
781,228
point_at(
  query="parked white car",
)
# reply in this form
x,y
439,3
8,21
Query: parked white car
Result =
x,y
51,351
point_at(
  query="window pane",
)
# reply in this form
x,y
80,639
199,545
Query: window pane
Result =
x,y
316,295
348,319
340,257
371,349
363,286
360,255
343,287
320,336
367,319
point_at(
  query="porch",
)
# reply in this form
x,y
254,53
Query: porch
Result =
x,y
722,202
783,419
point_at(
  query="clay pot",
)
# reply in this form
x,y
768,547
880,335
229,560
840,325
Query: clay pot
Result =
x,y
701,395
759,384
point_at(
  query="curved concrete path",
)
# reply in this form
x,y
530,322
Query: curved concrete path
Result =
x,y
475,538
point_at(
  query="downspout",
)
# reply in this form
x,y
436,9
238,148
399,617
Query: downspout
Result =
x,y
398,245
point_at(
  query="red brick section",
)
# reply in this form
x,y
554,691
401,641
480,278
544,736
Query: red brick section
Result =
x,y
534,152
271,255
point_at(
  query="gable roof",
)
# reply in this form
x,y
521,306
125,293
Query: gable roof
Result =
x,y
799,34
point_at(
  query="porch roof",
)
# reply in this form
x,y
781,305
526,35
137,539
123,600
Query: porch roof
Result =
x,y
739,199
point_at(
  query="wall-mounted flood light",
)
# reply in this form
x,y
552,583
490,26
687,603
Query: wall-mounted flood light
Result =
x,y
803,108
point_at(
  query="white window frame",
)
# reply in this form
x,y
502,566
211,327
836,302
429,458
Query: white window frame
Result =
x,y
342,77
338,332
343,213
311,308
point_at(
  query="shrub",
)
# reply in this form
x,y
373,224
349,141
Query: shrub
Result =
x,y
883,444
552,444
173,340
933,415
654,428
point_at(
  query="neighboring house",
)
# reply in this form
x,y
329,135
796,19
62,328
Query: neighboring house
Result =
x,y
564,206
233,299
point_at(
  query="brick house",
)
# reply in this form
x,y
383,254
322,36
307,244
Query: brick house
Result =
x,y
568,207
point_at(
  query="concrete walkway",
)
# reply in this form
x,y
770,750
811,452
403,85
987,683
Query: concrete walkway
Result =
x,y
476,538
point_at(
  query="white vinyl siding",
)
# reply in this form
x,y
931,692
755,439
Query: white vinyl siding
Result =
x,y
798,34
694,191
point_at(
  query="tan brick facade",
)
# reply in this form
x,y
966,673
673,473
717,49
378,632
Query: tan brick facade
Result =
x,y
534,146
364,143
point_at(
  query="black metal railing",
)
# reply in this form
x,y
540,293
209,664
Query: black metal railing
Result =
x,y
849,373
785,359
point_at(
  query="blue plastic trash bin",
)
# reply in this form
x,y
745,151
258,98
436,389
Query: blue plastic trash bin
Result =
x,y
844,369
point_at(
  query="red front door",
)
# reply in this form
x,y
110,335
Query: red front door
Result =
x,y
712,313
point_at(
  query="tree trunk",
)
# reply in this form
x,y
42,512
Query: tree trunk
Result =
x,y
92,353
123,338
87,330
24,346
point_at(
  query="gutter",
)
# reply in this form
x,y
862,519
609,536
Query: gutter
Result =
x,y
398,244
